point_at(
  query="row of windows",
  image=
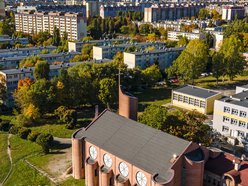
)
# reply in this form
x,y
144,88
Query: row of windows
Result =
x,y
235,112
234,122
189,100
239,134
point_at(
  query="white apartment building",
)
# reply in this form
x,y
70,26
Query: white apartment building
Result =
x,y
174,35
163,57
74,24
230,12
231,116
108,51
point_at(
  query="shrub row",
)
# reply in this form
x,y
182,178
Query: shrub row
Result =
x,y
44,140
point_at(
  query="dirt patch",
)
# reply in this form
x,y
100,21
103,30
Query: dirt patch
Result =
x,y
61,159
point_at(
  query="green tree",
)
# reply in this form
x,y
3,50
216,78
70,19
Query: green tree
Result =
x,y
209,39
45,141
154,116
151,75
30,61
191,62
231,52
41,70
218,65
183,41
184,124
108,91
203,14
56,36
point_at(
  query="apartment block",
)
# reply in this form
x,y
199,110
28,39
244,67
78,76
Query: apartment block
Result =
x,y
113,9
195,98
175,35
107,52
5,53
230,12
77,46
11,77
74,24
162,56
13,62
162,12
231,116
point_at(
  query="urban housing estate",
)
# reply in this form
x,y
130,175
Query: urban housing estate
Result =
x,y
74,24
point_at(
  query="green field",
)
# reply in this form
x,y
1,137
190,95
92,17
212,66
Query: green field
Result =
x,y
210,82
156,95
4,160
22,173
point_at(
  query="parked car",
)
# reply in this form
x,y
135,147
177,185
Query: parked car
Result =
x,y
173,80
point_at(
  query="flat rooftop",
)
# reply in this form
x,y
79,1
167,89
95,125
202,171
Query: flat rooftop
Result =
x,y
157,51
124,45
196,91
240,99
30,69
147,148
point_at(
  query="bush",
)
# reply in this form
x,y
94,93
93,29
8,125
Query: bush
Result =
x,y
33,136
23,121
45,141
14,130
5,126
23,132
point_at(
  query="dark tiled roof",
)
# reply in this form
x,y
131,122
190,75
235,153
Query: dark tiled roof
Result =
x,y
138,144
224,164
196,91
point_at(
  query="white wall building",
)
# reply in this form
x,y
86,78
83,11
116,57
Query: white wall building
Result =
x,y
174,35
74,24
163,57
231,116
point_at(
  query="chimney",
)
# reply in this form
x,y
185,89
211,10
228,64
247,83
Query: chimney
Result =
x,y
96,111
236,163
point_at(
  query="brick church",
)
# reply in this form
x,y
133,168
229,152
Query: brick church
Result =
x,y
116,150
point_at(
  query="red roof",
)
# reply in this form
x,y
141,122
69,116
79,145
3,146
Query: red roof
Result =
x,y
224,164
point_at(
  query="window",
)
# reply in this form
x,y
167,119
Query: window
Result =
x,y
191,101
180,98
227,109
96,172
242,124
226,119
225,129
242,114
241,134
197,102
234,121
185,99
235,111
175,96
203,104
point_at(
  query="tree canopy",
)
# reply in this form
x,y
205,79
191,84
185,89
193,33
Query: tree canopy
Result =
x,y
184,124
191,62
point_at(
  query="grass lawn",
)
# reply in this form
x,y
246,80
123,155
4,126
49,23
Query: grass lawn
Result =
x,y
156,95
73,182
4,160
57,130
8,117
22,173
210,82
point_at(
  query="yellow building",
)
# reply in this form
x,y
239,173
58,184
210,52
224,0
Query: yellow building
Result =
x,y
195,98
